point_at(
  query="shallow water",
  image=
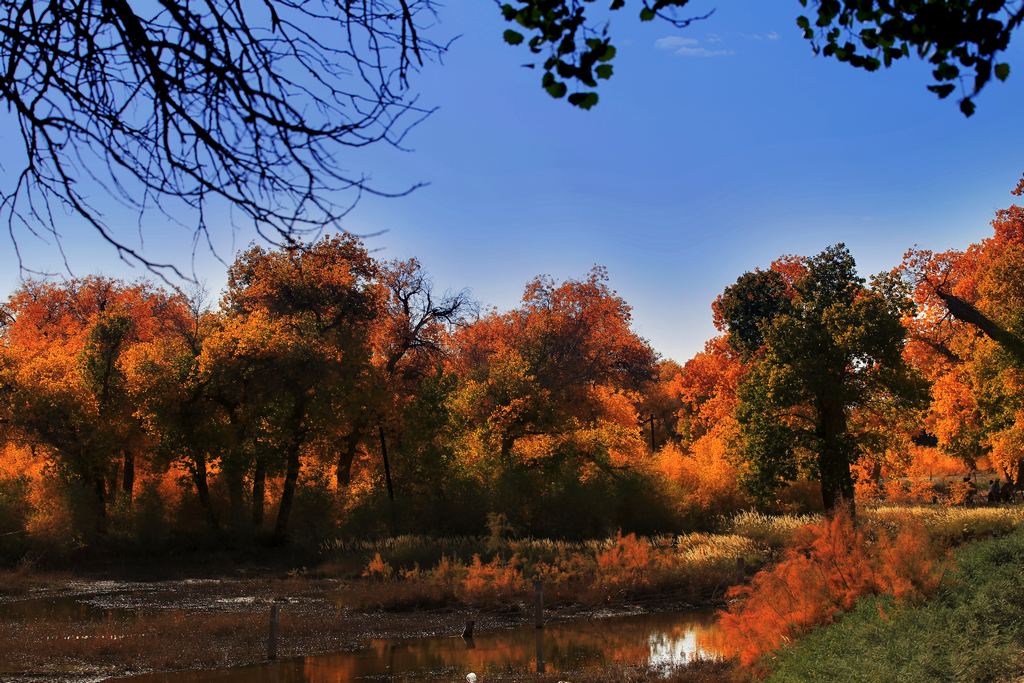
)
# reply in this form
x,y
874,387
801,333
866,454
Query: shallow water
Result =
x,y
664,640
64,607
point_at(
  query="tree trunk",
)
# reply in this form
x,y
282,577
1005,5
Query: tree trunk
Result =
x,y
233,468
112,482
876,471
347,454
201,482
507,442
291,475
236,496
128,477
833,458
259,488
387,479
100,491
387,463
965,312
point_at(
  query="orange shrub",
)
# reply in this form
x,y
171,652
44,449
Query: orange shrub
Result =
x,y
448,573
932,462
566,575
960,493
896,491
915,491
910,565
824,573
867,489
800,497
378,569
51,522
625,565
708,480
497,579
702,479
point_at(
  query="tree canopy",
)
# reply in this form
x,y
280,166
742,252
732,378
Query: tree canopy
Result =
x,y
825,350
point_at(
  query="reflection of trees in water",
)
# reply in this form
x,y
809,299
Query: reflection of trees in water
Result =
x,y
660,640
679,648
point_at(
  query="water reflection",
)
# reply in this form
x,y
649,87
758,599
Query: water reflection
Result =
x,y
662,640
539,644
70,608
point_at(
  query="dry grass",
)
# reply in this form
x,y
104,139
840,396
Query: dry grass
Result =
x,y
348,559
694,567
774,531
951,526
497,573
23,579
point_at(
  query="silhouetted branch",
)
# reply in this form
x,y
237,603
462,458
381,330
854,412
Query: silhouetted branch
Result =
x,y
184,107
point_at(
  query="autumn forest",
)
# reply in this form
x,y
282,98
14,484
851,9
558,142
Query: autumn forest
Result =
x,y
391,445
329,394
602,341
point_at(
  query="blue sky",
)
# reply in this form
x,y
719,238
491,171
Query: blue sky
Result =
x,y
714,150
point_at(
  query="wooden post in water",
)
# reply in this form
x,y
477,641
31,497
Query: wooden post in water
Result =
x,y
539,635
538,603
275,623
468,631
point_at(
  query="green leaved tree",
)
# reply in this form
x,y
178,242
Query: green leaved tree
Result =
x,y
825,352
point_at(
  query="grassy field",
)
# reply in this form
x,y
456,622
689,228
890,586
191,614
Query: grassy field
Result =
x,y
972,631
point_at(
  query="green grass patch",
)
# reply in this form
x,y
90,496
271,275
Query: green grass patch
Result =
x,y
973,630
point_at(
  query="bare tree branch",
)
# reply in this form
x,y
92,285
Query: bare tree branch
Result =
x,y
184,106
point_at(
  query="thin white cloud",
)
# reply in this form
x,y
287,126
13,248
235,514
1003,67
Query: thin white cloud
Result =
x,y
702,52
675,42
771,35
690,47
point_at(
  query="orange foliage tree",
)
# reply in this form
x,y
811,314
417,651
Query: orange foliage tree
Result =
x,y
64,371
553,387
296,343
969,339
705,392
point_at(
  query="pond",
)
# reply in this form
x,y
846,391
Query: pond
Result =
x,y
663,640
